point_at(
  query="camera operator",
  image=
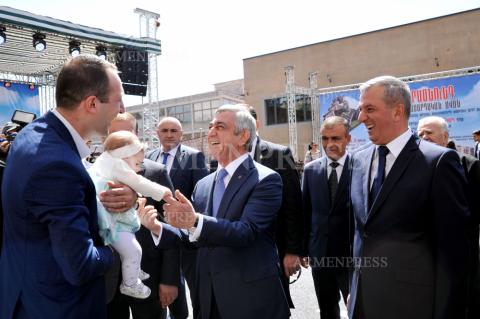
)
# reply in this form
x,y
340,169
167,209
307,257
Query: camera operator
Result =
x,y
9,133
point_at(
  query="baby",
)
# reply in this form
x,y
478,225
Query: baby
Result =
x,y
120,162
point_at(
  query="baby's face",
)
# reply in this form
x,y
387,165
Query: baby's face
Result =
x,y
135,161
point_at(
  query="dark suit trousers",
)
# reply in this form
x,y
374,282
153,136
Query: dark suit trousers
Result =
x,y
329,283
118,308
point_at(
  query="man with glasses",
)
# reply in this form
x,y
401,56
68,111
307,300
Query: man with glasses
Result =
x,y
186,166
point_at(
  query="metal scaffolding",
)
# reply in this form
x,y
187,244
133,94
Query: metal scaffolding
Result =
x,y
316,121
291,91
149,23
291,110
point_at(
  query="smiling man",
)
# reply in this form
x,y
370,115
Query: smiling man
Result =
x,y
232,220
53,259
325,201
408,200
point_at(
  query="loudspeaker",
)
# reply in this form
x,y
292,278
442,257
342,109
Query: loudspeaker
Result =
x,y
132,65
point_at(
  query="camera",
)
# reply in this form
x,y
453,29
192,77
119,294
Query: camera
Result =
x,y
19,120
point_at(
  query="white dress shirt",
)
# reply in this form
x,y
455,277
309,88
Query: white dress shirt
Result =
x,y
339,169
82,147
170,158
195,232
394,148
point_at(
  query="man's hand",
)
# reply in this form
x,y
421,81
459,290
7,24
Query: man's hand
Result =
x,y
179,213
148,217
167,294
291,264
119,198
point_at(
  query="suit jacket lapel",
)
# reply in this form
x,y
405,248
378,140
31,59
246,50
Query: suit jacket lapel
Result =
x,y
366,181
400,165
176,161
238,179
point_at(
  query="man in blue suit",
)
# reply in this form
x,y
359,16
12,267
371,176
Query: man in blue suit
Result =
x,y
409,201
238,272
186,166
327,212
53,259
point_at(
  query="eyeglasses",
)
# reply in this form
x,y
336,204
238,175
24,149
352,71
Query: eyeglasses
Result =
x,y
166,130
298,276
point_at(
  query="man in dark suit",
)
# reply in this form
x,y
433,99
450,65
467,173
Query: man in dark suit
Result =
x,y
53,260
408,199
186,166
435,129
476,139
289,234
163,266
237,268
326,205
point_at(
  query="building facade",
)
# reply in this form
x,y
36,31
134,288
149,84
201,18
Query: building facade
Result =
x,y
435,45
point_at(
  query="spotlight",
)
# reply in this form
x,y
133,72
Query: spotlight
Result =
x,y
3,36
74,48
39,42
7,84
31,86
101,52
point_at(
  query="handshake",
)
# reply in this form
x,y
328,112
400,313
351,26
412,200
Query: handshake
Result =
x,y
178,211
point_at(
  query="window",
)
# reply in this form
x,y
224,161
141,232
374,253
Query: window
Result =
x,y
182,112
203,111
277,109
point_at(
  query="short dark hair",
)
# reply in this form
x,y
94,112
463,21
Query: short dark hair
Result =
x,y
252,112
83,76
477,132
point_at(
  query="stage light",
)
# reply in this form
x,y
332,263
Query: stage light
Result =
x,y
101,52
74,48
39,42
3,36
7,84
31,86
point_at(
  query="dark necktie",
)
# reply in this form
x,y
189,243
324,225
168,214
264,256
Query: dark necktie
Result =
x,y
165,158
333,181
378,181
218,191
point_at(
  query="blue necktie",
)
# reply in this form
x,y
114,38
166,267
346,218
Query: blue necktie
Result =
x,y
218,191
165,158
378,181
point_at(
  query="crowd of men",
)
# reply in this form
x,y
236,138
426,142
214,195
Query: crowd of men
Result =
x,y
391,228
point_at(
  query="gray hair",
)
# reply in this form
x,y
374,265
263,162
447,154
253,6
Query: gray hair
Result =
x,y
435,119
243,121
395,90
332,121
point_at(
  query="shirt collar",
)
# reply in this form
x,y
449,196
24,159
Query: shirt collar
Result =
x,y
80,144
232,166
397,145
340,161
172,151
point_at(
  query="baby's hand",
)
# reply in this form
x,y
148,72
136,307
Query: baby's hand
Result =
x,y
167,196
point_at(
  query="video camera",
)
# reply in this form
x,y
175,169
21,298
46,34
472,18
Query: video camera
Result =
x,y
19,120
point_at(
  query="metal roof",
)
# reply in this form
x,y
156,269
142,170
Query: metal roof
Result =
x,y
19,58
